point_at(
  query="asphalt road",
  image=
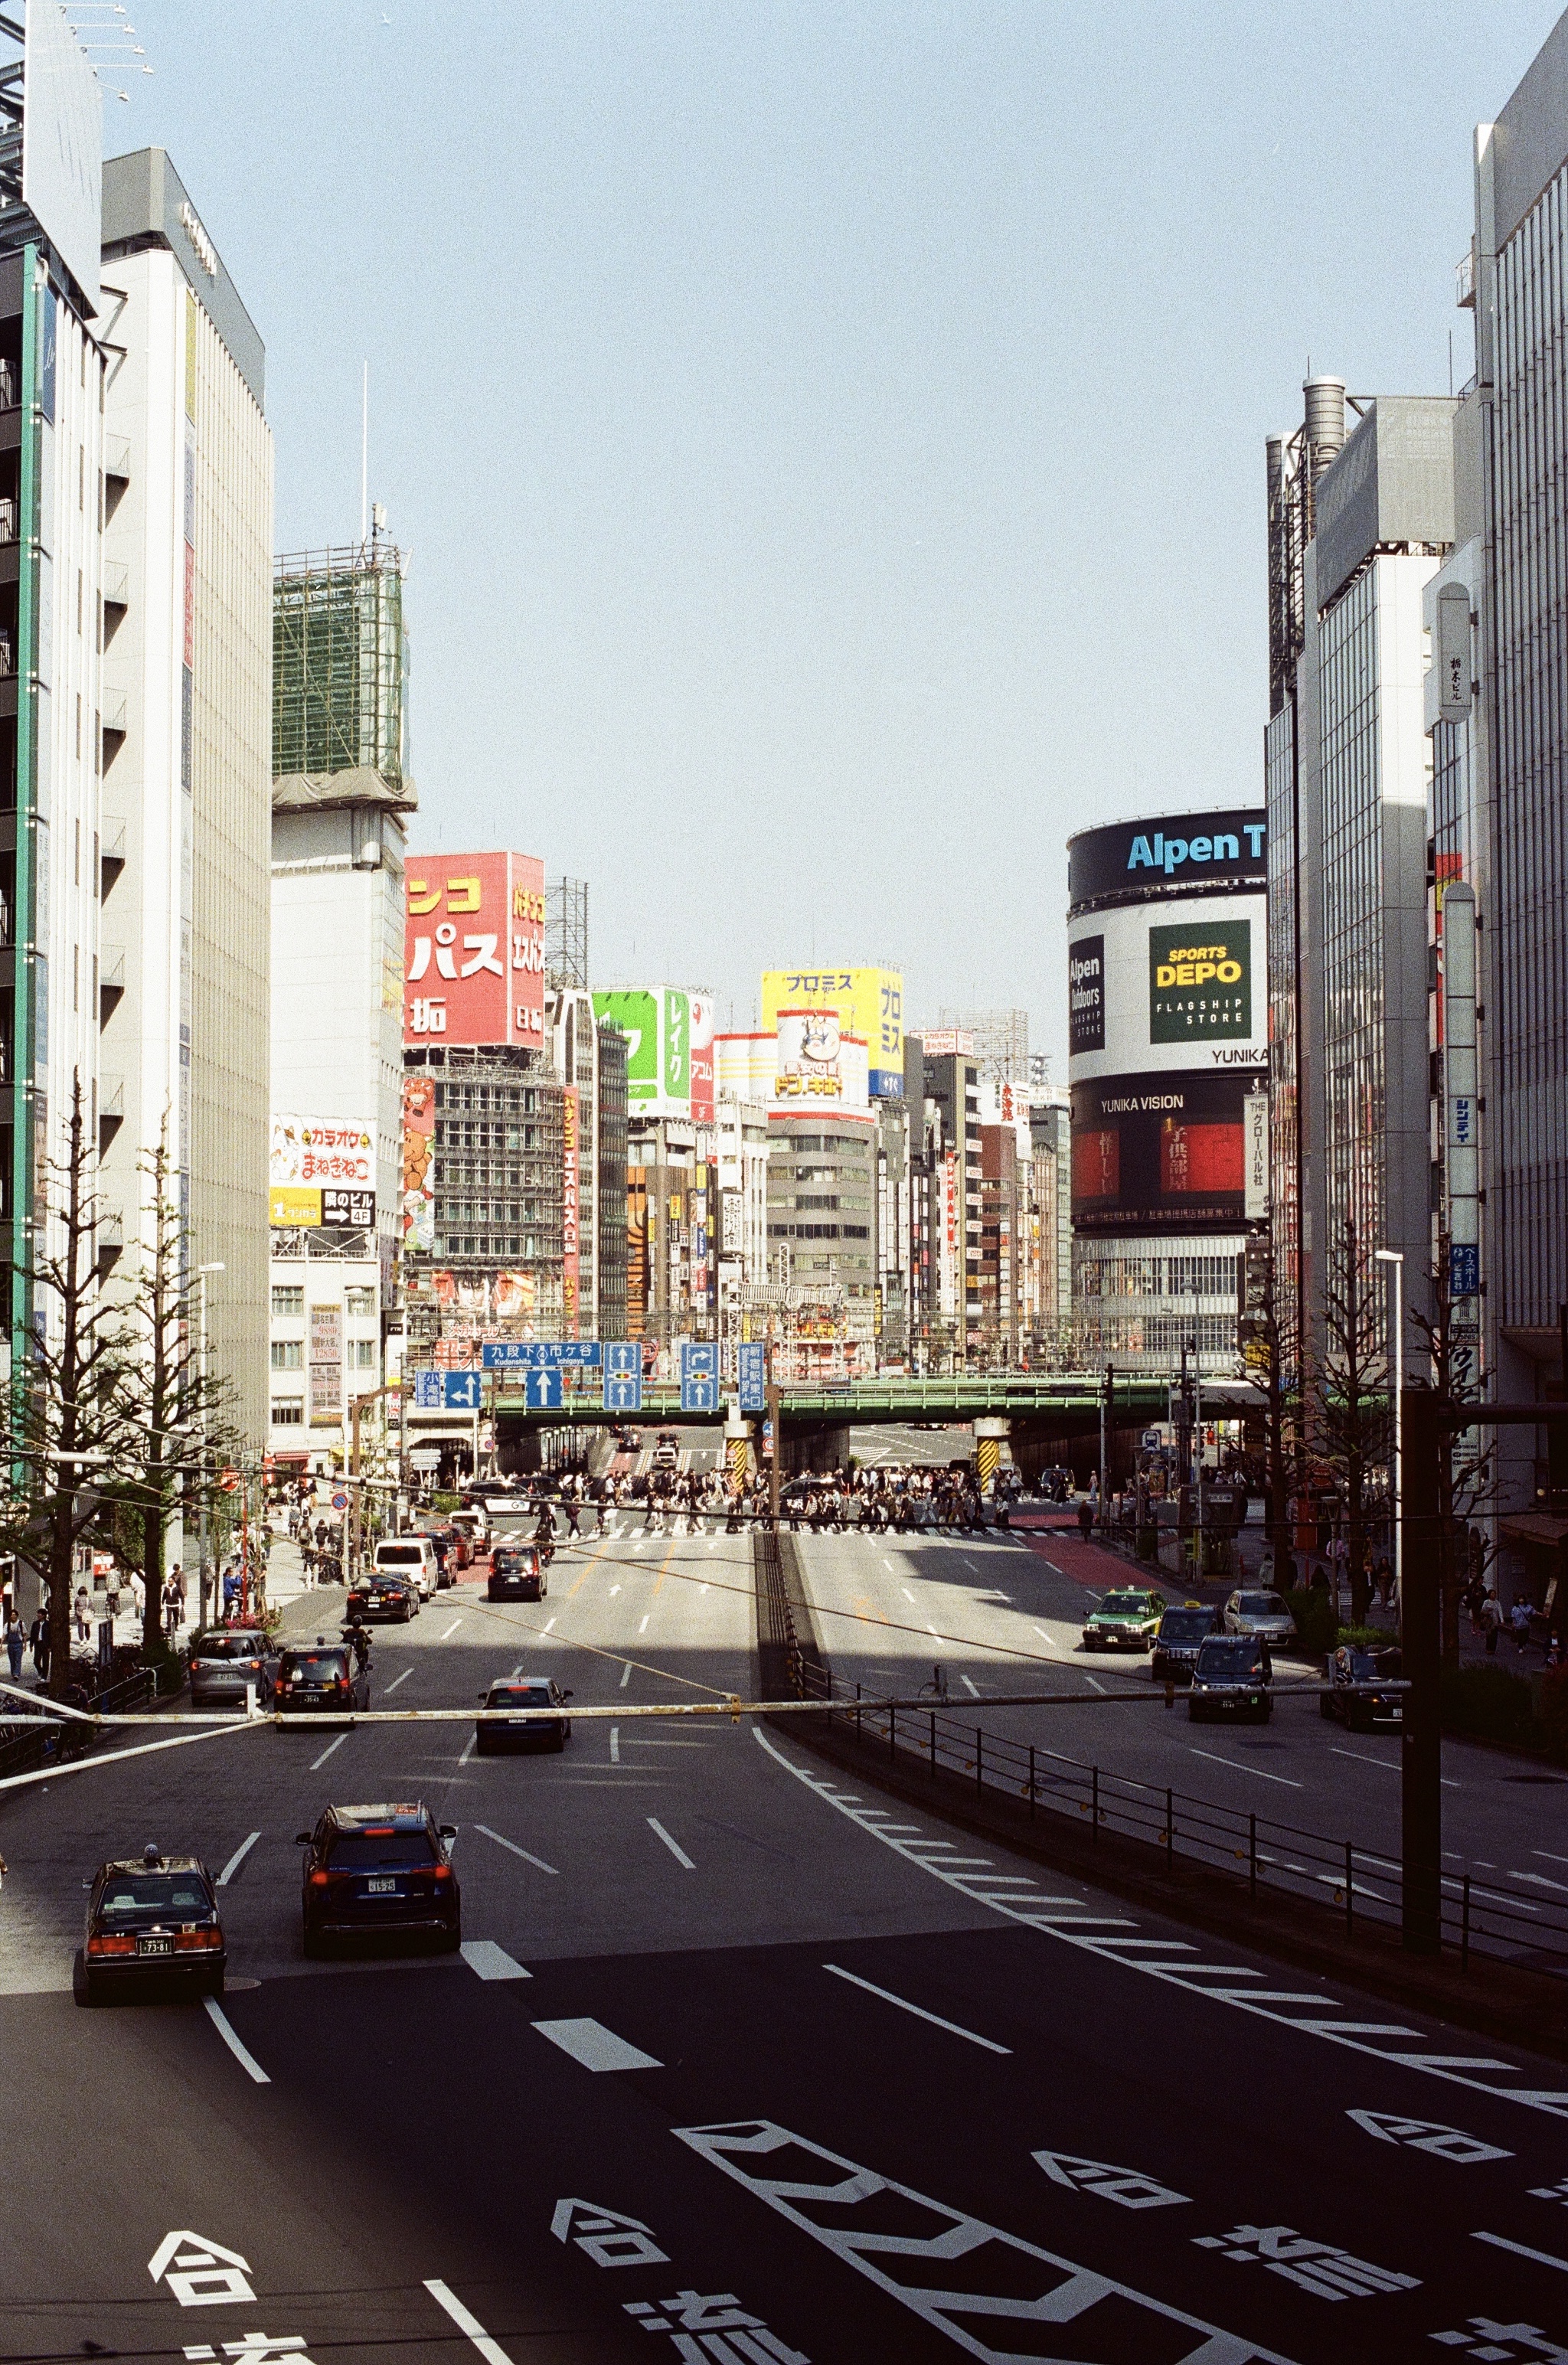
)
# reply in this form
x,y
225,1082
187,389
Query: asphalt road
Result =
x,y
738,2061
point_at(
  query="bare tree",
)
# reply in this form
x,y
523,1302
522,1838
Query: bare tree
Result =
x,y
1271,1358
1467,1471
1351,1401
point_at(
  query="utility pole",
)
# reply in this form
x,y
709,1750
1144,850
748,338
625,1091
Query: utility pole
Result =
x,y
1425,1436
1104,1447
356,1491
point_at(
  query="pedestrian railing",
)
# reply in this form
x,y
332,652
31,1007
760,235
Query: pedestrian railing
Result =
x,y
30,1737
1357,1884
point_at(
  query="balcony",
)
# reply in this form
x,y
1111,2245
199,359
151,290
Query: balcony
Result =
x,y
114,721
111,1110
111,854
1464,281
111,982
110,1236
117,458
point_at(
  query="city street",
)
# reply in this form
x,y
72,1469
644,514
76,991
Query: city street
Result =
x,y
705,1985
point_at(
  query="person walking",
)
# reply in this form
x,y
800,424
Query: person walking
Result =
x,y
84,1621
1490,1621
38,1639
1085,1517
1519,1621
14,1639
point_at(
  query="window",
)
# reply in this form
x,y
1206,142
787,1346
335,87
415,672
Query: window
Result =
x,y
287,1299
362,1354
289,1354
359,1301
288,1412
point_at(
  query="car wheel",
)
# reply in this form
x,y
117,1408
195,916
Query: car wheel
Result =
x,y
82,1989
481,1746
214,1985
1325,1706
451,1940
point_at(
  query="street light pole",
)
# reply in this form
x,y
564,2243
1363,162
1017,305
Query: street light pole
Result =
x,y
202,1273
1395,1256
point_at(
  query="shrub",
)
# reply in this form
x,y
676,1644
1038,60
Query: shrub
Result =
x,y
1313,1611
1488,1702
1365,1638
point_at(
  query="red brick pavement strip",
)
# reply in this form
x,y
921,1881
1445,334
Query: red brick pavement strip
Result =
x,y
1085,1564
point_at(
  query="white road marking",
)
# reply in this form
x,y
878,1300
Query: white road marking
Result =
x,y
673,1846
399,1679
613,1591
1541,2258
490,2350
904,1589
615,1745
546,1628
537,1861
1539,1879
625,1674
247,2061
236,1859
1389,1764
1089,1679
450,1631
1240,1769
1549,1857
919,2012
595,2046
468,1748
644,1627
968,1685
1452,2069
489,1961
317,1763
1049,1640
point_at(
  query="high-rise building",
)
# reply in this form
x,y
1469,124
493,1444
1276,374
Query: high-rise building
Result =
x,y
589,1061
1001,1039
184,954
942,1082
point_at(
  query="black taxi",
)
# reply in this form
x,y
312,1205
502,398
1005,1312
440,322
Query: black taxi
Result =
x,y
152,1917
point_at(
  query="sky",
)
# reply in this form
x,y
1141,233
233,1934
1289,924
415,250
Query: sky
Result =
x,y
827,437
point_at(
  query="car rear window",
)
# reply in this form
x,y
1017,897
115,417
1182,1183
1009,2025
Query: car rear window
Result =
x,y
1263,1605
162,1892
226,1646
398,1555
315,1663
519,1696
1186,1625
380,1851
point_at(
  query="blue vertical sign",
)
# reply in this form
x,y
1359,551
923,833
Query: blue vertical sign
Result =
x,y
1464,1269
751,1367
428,1397
462,1391
699,1378
622,1375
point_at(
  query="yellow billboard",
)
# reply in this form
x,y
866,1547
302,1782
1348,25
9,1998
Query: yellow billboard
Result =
x,y
867,1002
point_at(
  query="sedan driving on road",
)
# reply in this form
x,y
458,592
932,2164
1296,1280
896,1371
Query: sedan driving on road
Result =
x,y
376,1871
155,1918
1231,1677
517,1574
1359,1708
317,1677
384,1593
1263,1615
227,1662
1125,1621
527,1732
1183,1633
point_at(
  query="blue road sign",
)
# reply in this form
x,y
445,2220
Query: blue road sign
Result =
x,y
428,1397
624,1392
1464,1269
462,1391
699,1378
751,1364
536,1354
544,1383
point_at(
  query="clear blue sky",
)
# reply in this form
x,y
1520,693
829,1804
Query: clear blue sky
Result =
x,y
828,435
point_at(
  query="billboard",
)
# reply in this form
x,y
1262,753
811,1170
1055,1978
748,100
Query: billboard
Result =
x,y
1219,853
1161,986
417,1204
474,956
1163,1153
867,1003
322,1172
570,1239
817,1061
62,144
657,1022
700,1041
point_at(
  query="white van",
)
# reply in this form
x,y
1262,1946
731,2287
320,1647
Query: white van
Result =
x,y
410,1556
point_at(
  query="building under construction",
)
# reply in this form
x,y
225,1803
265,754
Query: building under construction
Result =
x,y
340,673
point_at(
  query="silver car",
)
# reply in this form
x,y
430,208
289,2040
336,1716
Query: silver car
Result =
x,y
227,1660
1261,1614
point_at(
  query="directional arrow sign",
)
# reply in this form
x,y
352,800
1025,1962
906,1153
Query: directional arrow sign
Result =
x,y
699,1378
462,1391
543,1384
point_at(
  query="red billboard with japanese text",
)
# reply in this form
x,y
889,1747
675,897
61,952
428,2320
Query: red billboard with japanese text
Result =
x,y
474,959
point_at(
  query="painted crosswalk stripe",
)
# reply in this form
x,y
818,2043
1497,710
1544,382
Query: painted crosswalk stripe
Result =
x,y
595,2046
490,2350
489,1961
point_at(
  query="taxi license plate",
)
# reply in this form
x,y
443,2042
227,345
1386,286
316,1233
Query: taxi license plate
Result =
x,y
382,1888
154,1946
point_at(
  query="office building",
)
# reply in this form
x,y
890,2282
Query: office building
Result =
x,y
589,1061
942,1082
183,958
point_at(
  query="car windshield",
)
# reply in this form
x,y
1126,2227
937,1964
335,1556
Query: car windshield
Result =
x,y
1366,1667
514,1561
519,1696
225,1646
316,1664
155,1892
1186,1625
1262,1605
381,1849
398,1555
1125,1605
1229,1654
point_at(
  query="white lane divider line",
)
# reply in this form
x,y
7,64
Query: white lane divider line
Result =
x,y
1088,1932
644,1627
595,2046
904,1589
546,1628
489,1961
968,1685
625,1674
468,1748
248,2061
615,1745
317,1763
537,1861
613,1591
450,1631
1237,1767
673,1846
236,1859
1388,1765
1541,2258
919,2010
399,1679
490,2350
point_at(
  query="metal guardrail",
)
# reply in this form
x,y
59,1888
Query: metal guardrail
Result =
x,y
1357,1883
955,1399
33,1737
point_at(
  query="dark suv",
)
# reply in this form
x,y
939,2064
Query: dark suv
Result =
x,y
377,1871
1183,1633
318,1677
1231,1677
517,1574
154,1917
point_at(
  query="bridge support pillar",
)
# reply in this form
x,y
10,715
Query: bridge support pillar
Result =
x,y
991,1435
741,1441
815,1445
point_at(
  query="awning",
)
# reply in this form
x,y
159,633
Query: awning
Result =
x,y
1533,1528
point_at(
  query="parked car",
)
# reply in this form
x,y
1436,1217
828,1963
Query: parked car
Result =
x,y
518,1572
1127,1619
375,1871
314,1678
1358,1710
227,1662
1263,1615
528,1732
1183,1630
151,1918
1231,1677
385,1593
